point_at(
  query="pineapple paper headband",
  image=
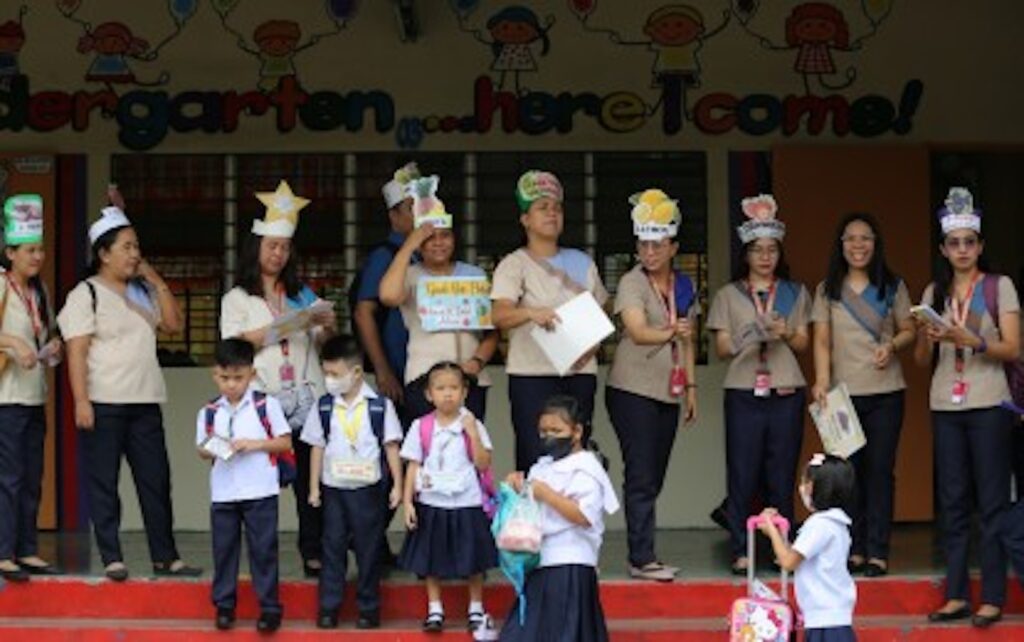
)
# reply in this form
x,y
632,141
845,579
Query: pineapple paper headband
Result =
x,y
426,206
958,212
655,215
761,222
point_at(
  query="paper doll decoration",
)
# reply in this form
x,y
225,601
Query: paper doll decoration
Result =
x,y
761,222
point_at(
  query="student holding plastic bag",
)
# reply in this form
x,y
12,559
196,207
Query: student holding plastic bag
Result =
x,y
574,492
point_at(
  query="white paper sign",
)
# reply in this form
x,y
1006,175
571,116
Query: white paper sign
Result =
x,y
294,322
583,325
218,447
838,424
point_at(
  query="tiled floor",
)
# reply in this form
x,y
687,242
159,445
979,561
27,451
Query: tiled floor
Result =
x,y
702,554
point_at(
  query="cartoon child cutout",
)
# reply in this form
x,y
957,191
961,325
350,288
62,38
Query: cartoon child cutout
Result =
x,y
114,44
12,39
513,32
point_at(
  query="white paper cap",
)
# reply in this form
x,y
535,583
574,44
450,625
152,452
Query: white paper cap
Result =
x,y
112,218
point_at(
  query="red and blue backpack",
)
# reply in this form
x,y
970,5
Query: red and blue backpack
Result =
x,y
284,462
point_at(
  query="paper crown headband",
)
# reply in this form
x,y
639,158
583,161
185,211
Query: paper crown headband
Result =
x,y
535,185
111,218
958,211
23,219
426,206
761,222
282,215
397,189
655,215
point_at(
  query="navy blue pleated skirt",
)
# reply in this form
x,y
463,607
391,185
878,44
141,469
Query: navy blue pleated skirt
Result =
x,y
449,543
831,634
562,605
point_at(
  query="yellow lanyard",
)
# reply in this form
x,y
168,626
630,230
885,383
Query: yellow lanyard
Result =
x,y
351,421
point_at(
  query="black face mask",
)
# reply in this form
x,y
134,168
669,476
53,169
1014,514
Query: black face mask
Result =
x,y
556,447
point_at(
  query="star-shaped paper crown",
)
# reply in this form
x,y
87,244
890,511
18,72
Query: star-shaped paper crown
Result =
x,y
958,212
535,185
426,206
397,189
23,219
761,222
655,215
282,215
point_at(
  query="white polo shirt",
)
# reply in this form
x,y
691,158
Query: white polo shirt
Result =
x,y
825,591
448,456
248,475
581,478
338,445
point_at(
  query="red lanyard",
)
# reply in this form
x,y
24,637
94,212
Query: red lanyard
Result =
x,y
961,310
30,304
763,307
668,305
276,313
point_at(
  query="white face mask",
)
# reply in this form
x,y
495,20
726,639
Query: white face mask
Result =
x,y
805,497
337,386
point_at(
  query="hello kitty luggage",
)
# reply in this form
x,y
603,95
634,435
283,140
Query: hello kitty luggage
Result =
x,y
757,618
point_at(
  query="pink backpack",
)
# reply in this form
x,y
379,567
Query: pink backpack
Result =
x,y
488,491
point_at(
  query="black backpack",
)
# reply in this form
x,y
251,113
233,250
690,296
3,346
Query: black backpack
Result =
x,y
381,314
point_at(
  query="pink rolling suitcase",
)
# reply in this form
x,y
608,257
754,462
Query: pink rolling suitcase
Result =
x,y
755,618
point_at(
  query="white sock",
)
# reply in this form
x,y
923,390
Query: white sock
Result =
x,y
435,607
476,607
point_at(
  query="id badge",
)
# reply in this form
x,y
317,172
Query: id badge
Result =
x,y
959,395
287,372
763,384
677,381
355,470
441,482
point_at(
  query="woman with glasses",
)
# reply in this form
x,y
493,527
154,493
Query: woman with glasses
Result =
x,y
861,318
978,334
760,323
652,373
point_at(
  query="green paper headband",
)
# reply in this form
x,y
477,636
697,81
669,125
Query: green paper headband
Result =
x,y
23,219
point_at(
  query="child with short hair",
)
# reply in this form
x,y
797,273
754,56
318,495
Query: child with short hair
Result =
x,y
571,484
242,431
449,533
355,435
825,591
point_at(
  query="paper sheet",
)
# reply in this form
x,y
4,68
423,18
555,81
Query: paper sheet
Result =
x,y
838,424
218,447
583,326
294,322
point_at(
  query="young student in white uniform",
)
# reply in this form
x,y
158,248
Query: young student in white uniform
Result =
x,y
241,432
825,591
355,435
562,601
449,534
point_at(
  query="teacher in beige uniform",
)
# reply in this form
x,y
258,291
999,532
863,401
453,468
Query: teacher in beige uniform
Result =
x,y
110,322
528,285
760,324
969,386
862,319
652,373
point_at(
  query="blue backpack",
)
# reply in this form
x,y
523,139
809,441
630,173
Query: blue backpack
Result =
x,y
376,406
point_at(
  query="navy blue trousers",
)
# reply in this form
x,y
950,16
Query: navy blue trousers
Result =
x,y
646,429
260,519
416,404
135,431
972,450
1012,532
22,439
356,518
881,417
527,396
831,634
311,519
762,444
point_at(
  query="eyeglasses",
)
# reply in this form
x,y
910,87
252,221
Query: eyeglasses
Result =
x,y
854,239
763,250
964,242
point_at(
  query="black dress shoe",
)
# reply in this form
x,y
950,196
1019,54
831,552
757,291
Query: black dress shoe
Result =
x,y
368,620
16,575
170,570
225,619
327,620
309,570
873,569
118,574
941,616
719,517
856,568
268,622
985,621
46,569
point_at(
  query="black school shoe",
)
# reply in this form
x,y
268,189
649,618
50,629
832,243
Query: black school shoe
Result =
x,y
170,569
368,620
268,622
225,619
434,623
327,620
17,575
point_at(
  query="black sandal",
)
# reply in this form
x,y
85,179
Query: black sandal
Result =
x,y
177,568
434,623
475,619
